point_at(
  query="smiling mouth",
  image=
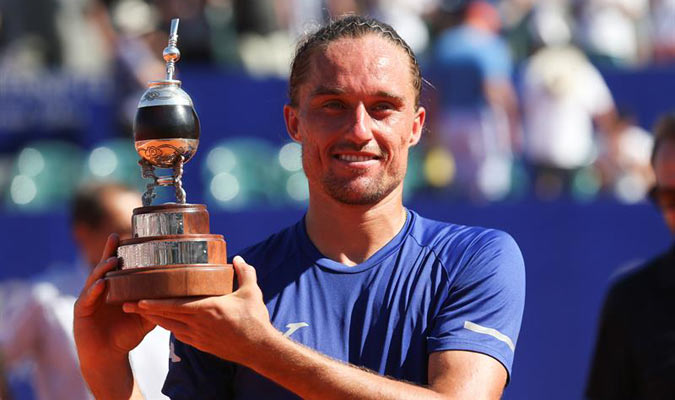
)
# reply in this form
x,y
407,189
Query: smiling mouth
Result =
x,y
354,158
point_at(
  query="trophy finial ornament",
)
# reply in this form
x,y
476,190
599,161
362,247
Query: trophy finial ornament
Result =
x,y
171,53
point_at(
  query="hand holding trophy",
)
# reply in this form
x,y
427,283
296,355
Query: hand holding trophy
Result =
x,y
172,253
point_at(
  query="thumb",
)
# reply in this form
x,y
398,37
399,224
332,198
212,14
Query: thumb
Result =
x,y
246,275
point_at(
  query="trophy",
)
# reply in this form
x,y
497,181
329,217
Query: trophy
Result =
x,y
171,253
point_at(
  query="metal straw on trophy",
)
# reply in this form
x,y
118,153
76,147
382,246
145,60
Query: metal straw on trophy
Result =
x,y
172,253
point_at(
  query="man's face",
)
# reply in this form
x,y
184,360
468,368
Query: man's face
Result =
x,y
356,119
664,169
119,206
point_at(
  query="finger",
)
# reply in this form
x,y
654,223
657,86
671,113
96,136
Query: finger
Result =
x,y
101,269
146,325
177,327
110,248
109,253
135,309
130,308
89,298
174,306
246,275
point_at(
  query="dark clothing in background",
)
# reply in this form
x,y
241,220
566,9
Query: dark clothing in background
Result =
x,y
635,350
255,16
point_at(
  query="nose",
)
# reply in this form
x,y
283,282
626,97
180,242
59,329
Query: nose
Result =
x,y
360,129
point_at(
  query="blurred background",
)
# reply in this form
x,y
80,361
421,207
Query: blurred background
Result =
x,y
539,120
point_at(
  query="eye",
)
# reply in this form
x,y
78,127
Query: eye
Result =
x,y
382,109
383,106
333,105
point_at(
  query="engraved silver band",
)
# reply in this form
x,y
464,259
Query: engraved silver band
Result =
x,y
158,224
163,253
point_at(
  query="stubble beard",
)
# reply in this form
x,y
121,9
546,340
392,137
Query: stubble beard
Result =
x,y
347,191
358,190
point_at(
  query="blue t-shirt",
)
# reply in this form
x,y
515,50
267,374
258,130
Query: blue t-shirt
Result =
x,y
435,286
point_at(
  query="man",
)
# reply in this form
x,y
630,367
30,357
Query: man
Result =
x,y
361,298
568,112
478,120
37,323
636,340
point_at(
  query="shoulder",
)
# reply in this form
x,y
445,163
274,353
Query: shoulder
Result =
x,y
637,281
471,255
431,231
460,242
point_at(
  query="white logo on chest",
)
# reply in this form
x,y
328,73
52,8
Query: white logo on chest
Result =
x,y
292,327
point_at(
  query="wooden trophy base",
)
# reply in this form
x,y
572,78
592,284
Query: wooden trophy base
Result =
x,y
172,254
169,281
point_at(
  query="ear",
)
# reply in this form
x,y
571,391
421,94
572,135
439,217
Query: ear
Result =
x,y
418,126
292,121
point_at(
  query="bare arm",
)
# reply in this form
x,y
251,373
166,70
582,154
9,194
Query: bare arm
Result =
x,y
452,375
105,335
236,327
501,95
110,379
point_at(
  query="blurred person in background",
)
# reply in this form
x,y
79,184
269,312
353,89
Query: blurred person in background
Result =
x,y
406,16
28,35
134,42
36,320
51,35
194,30
477,109
626,170
567,107
266,30
636,337
662,30
264,45
263,39
613,32
516,16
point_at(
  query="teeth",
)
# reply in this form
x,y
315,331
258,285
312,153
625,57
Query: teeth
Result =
x,y
352,158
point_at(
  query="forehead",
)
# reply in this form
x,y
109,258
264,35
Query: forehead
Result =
x,y
664,165
366,63
120,206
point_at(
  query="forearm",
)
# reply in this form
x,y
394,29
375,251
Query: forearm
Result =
x,y
502,97
312,375
112,379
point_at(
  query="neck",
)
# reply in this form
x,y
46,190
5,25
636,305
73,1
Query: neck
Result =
x,y
350,234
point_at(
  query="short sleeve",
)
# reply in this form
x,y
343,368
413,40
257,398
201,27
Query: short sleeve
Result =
x,y
483,307
194,374
595,95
